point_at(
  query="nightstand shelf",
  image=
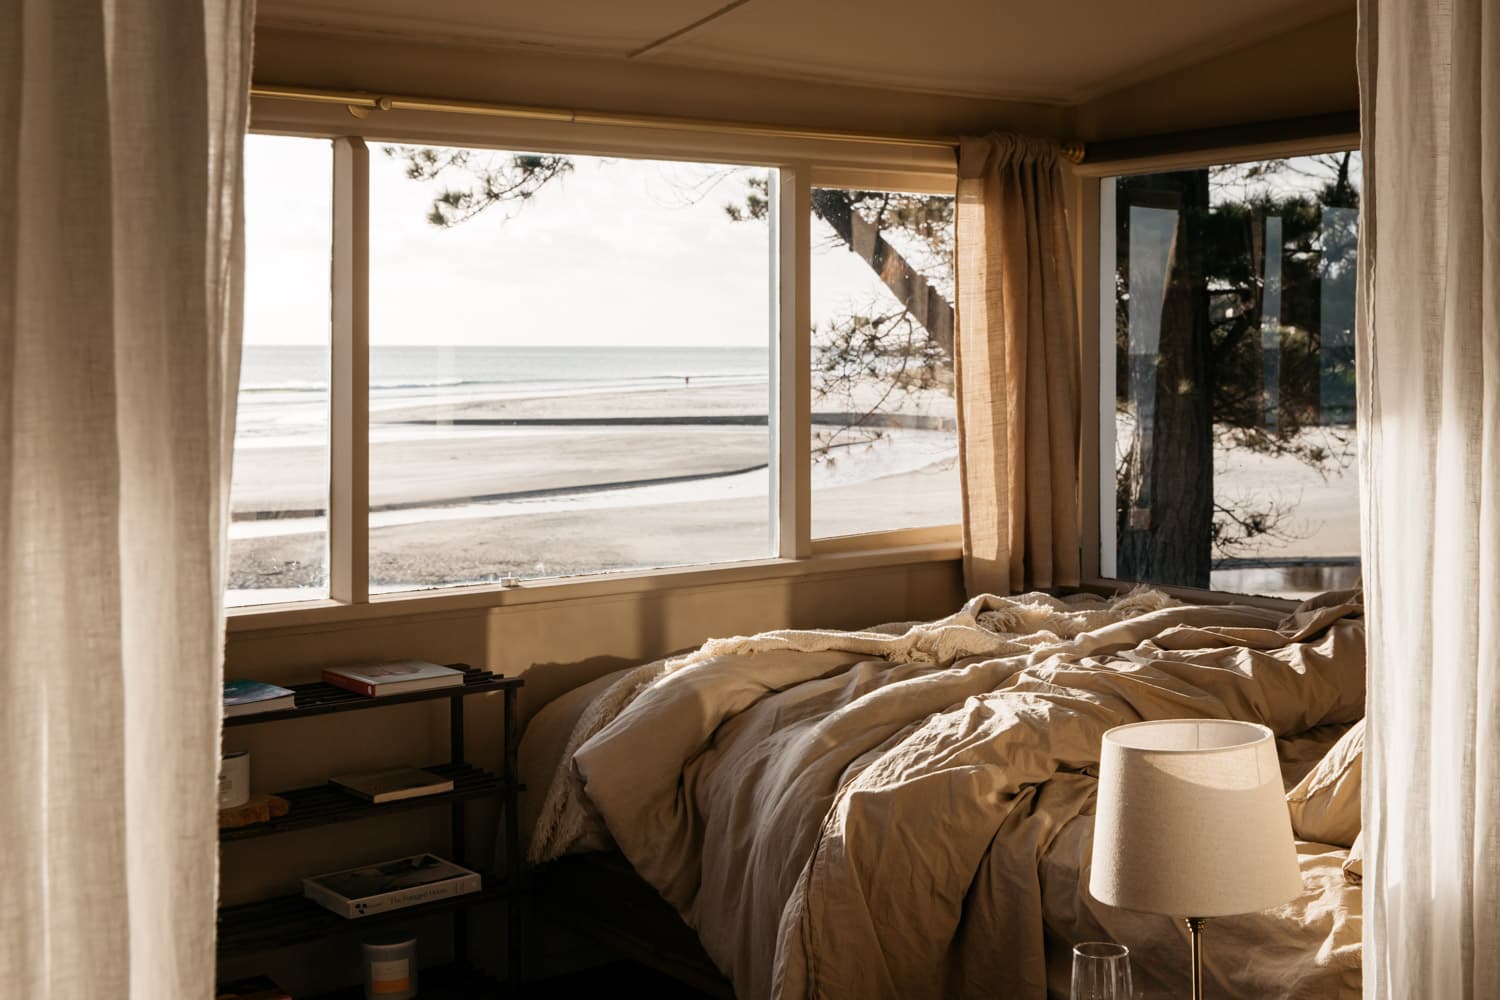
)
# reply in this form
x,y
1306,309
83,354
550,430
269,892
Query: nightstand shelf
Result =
x,y
321,698
265,925
321,805
289,920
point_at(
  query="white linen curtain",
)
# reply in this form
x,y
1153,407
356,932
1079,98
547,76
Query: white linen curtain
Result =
x,y
1429,411
121,129
1017,367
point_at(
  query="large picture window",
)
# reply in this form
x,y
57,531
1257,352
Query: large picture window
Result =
x,y
486,366
1229,374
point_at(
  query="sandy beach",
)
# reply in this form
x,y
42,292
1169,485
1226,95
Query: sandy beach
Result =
x,y
477,490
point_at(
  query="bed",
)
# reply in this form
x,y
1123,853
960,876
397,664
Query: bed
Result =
x,y
906,811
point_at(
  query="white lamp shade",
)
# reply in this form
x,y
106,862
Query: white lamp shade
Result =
x,y
1192,820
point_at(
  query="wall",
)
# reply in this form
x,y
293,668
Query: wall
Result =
x,y
1310,70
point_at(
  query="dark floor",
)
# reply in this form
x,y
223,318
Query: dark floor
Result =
x,y
617,979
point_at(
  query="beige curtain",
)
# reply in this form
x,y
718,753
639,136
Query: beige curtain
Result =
x,y
121,128
1017,367
1429,413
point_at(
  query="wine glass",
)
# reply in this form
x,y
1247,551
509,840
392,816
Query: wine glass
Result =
x,y
1101,971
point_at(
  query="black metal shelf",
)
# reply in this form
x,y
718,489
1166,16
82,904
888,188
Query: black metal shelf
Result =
x,y
443,982
326,804
289,920
321,698
269,924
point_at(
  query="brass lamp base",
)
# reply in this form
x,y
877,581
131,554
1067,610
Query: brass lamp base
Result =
x,y
1195,929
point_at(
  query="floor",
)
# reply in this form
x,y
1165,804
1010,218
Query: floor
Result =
x,y
615,979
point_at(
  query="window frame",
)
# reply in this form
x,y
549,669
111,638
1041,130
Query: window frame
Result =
x,y
797,166
1093,257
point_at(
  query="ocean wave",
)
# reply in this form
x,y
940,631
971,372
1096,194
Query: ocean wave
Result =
x,y
519,383
437,383
551,382
248,390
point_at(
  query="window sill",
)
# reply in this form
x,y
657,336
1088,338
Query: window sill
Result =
x,y
1191,595
461,599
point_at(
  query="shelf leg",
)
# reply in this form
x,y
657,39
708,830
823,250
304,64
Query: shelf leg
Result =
x,y
456,729
458,828
515,911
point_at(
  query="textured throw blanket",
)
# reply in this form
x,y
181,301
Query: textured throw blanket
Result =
x,y
905,812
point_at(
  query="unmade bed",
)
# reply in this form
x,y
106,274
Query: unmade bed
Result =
x,y
907,811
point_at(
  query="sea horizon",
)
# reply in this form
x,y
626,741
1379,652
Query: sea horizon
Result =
x,y
283,388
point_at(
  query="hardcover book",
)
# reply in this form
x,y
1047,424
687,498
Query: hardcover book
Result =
x,y
390,885
393,784
253,697
401,677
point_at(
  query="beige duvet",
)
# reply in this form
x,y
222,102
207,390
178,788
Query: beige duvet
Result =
x,y
906,812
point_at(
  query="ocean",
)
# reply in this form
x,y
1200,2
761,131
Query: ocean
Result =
x,y
284,389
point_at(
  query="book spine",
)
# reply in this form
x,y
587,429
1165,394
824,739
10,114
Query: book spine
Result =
x,y
348,683
328,899
415,896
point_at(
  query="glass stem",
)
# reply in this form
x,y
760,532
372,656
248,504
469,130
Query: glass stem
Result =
x,y
1195,929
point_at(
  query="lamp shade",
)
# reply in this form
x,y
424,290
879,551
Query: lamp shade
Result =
x,y
1192,820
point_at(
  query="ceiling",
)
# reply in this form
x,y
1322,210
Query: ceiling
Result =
x,y
1054,51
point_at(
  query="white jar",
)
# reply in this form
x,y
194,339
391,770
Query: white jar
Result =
x,y
234,779
391,970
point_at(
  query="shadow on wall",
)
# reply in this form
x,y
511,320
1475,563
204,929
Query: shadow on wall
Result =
x,y
546,682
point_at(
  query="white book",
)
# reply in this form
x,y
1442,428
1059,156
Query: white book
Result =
x,y
399,677
393,784
390,885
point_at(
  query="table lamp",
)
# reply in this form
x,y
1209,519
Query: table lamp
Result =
x,y
1192,822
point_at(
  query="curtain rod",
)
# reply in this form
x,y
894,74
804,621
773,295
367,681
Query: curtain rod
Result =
x,y
360,104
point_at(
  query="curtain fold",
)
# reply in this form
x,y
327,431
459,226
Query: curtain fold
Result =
x,y
121,131
1429,412
1017,367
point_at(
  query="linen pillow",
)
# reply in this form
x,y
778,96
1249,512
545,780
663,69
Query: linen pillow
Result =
x,y
1325,804
1354,864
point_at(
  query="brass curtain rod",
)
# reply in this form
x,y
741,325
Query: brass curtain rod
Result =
x,y
360,105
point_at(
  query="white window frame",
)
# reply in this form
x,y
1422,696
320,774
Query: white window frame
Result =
x,y
1094,256
796,165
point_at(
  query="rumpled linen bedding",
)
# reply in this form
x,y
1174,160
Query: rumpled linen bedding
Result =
x,y
908,811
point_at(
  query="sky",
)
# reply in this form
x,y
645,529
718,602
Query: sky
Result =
x,y
1297,175
619,252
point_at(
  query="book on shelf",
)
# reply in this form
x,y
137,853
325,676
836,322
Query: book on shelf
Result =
x,y
254,697
253,988
390,885
393,784
400,677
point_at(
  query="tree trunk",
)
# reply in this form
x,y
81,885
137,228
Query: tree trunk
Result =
x,y
925,303
1165,510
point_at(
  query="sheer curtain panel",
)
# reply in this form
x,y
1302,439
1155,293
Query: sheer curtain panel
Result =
x,y
1017,362
1429,411
121,128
